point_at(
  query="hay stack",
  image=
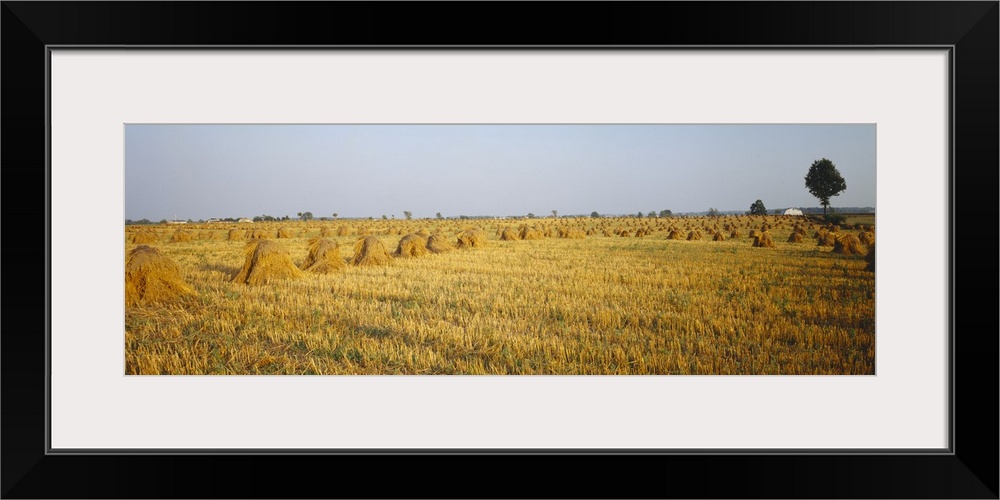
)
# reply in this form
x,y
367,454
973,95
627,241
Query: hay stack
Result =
x,y
411,245
285,233
324,257
151,277
181,235
870,258
719,236
369,251
530,233
143,237
508,234
754,233
437,243
236,234
259,234
694,235
826,240
573,233
327,232
763,240
848,244
675,234
735,234
343,231
795,237
471,238
266,261
867,238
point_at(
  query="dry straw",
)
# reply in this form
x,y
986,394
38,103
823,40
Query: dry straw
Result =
x,y
266,261
151,277
867,238
694,235
285,233
471,238
323,257
848,244
369,251
719,236
826,240
508,234
327,232
411,245
763,240
181,235
259,234
530,233
438,243
795,237
143,237
237,234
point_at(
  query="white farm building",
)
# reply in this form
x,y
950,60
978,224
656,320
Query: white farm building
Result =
x,y
793,211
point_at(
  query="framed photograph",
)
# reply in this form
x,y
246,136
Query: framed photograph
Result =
x,y
805,372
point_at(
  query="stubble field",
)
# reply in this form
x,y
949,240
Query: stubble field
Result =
x,y
592,302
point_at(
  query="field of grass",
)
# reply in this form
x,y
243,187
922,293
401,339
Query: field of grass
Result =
x,y
597,305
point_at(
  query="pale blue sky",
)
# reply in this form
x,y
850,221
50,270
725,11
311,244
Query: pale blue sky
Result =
x,y
204,171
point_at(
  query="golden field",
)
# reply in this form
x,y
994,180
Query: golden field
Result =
x,y
602,304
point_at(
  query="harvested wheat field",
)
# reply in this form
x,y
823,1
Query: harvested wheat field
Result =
x,y
661,305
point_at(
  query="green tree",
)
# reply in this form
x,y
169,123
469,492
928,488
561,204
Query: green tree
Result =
x,y
408,214
595,215
666,213
652,215
305,215
384,217
531,215
555,213
824,181
335,215
758,208
713,212
438,215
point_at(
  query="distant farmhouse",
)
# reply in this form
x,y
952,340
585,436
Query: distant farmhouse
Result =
x,y
244,220
793,211
176,222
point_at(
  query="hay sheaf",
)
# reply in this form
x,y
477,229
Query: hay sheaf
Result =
x,y
323,257
694,235
327,232
870,258
258,234
285,233
508,234
151,278
181,235
675,234
795,237
411,245
438,243
826,240
530,233
572,233
471,238
735,234
369,251
848,244
763,240
143,237
867,238
343,231
719,236
266,261
236,234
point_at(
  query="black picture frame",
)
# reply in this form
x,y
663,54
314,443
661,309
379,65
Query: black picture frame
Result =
x,y
970,470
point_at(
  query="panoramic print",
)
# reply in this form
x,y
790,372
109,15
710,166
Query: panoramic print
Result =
x,y
551,249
